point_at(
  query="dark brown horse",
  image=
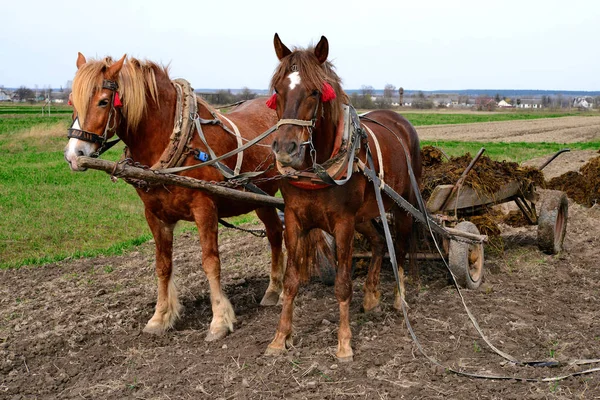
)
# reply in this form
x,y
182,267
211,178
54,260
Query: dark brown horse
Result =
x,y
138,102
309,116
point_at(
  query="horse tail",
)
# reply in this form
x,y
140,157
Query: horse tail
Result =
x,y
318,258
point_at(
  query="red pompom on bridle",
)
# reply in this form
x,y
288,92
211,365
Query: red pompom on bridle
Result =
x,y
117,101
272,102
327,94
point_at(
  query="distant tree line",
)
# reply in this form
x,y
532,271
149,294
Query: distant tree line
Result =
x,y
366,99
224,97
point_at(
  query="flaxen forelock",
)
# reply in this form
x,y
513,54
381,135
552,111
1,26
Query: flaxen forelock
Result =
x,y
136,80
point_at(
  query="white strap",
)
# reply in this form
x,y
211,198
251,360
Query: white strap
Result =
x,y
238,135
379,157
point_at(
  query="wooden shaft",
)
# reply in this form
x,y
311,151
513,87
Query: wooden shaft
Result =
x,y
127,171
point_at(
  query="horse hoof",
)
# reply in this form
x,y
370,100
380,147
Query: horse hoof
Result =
x,y
270,299
345,359
154,328
398,305
372,309
274,352
218,335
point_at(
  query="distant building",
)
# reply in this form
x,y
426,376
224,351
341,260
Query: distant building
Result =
x,y
582,102
504,104
530,103
5,96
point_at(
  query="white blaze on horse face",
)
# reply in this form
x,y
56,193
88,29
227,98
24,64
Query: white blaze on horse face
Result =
x,y
76,148
294,78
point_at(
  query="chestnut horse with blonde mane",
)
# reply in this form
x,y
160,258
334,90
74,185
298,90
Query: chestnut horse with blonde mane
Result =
x,y
308,99
138,102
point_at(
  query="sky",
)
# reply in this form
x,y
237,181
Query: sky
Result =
x,y
418,45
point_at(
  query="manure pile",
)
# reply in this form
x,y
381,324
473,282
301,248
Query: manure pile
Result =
x,y
486,177
583,187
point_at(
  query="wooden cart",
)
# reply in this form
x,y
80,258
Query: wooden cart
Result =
x,y
451,203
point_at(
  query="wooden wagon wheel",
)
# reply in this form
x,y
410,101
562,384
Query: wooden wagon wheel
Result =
x,y
466,260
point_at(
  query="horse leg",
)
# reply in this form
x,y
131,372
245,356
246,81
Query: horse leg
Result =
x,y
283,335
167,305
403,223
274,227
344,235
223,315
371,287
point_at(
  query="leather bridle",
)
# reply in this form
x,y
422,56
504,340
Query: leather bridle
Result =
x,y
91,137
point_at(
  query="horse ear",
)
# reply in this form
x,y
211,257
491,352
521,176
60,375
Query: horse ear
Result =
x,y
80,60
280,49
113,70
322,50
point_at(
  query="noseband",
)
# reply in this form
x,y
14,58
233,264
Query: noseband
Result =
x,y
309,124
76,132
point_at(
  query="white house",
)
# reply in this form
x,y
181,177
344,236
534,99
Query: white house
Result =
x,y
5,96
581,102
504,104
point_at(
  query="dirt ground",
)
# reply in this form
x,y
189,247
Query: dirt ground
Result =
x,y
559,130
73,329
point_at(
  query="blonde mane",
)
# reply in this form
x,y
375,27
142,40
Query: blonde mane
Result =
x,y
136,80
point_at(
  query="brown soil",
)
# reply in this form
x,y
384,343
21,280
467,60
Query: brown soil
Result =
x,y
72,330
558,130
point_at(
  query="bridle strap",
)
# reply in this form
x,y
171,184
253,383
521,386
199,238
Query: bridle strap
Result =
x,y
91,137
298,122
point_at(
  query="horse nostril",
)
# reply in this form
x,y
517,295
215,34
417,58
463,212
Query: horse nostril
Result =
x,y
80,153
275,145
291,147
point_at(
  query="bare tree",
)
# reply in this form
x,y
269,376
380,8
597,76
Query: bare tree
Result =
x,y
365,99
246,94
421,101
24,93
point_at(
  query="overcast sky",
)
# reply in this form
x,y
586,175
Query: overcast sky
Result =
x,y
426,45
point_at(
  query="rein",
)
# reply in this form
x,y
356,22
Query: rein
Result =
x,y
76,132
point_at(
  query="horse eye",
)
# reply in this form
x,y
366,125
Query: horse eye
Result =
x,y
315,93
103,103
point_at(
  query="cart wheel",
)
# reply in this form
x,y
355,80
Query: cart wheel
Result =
x,y
465,259
552,222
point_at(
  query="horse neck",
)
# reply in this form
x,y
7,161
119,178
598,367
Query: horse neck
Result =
x,y
324,135
152,136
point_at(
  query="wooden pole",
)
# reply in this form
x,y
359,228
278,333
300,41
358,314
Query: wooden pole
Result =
x,y
127,171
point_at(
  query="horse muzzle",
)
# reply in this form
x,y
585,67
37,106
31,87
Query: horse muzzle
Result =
x,y
290,155
77,148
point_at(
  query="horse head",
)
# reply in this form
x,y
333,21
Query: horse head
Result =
x,y
96,102
306,100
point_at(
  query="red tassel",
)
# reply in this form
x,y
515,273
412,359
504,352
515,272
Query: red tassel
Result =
x,y
327,93
272,102
117,101
70,102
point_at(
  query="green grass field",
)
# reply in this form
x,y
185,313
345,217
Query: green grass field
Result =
x,y
48,213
